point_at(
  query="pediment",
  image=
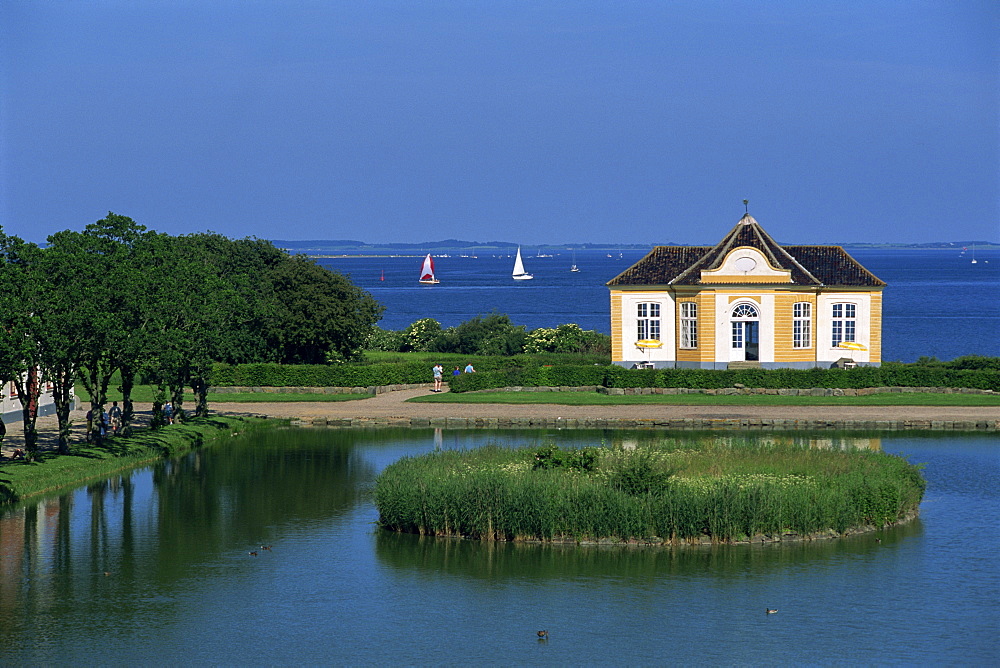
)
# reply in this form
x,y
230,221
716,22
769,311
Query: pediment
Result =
x,y
746,265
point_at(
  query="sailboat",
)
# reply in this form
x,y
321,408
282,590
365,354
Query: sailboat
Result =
x,y
973,253
574,267
427,272
519,273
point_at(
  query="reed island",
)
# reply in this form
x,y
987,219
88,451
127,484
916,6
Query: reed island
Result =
x,y
676,491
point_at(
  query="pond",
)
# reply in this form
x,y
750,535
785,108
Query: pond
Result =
x,y
155,567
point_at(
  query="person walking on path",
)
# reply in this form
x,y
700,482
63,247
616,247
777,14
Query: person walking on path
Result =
x,y
456,372
469,369
438,374
116,417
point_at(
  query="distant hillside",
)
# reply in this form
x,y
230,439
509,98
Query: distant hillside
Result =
x,y
455,245
350,246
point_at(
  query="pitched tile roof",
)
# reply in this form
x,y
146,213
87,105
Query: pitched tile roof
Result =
x,y
808,265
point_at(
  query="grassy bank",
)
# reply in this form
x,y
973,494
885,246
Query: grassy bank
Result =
x,y
676,490
596,399
86,462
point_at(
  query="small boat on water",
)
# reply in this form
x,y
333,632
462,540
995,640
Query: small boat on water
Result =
x,y
427,272
574,267
519,274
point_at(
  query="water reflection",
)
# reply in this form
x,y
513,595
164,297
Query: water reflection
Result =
x,y
498,561
153,567
128,538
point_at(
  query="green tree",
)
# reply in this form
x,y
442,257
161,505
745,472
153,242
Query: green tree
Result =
x,y
19,350
493,334
66,320
319,313
420,335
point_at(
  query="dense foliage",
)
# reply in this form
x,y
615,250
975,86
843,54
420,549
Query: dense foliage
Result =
x,y
118,298
493,334
674,490
403,370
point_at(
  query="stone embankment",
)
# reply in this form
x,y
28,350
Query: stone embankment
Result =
x,y
388,407
771,424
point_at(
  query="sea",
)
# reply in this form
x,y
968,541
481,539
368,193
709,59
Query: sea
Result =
x,y
937,303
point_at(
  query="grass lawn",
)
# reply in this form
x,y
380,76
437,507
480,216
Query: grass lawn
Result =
x,y
144,394
273,397
595,399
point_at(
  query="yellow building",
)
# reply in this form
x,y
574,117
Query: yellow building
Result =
x,y
746,302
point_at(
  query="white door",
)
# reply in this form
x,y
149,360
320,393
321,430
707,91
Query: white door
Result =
x,y
745,321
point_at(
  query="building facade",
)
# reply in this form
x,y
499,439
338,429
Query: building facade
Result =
x,y
746,302
10,404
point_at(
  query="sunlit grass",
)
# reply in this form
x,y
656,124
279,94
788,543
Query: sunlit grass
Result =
x,y
595,399
86,462
145,393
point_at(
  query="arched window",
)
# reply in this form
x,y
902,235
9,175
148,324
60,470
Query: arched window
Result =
x,y
745,312
745,323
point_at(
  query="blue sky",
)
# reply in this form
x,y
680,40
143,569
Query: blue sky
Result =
x,y
532,122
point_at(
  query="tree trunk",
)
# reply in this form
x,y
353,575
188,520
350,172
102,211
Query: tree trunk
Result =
x,y
28,392
177,399
200,387
95,381
158,419
128,382
62,391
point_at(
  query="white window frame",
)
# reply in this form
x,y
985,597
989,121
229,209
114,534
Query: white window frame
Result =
x,y
743,312
802,325
647,321
843,323
689,324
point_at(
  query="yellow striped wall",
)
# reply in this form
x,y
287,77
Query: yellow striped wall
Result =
x,y
783,321
617,354
705,352
875,347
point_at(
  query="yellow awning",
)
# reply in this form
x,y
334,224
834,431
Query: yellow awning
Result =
x,y
852,345
649,343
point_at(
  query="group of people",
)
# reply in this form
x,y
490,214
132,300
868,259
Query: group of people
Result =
x,y
439,374
108,421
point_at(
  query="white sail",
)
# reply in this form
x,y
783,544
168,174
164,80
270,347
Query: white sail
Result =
x,y
427,272
519,274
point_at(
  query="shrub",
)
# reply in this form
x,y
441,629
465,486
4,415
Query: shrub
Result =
x,y
577,459
420,335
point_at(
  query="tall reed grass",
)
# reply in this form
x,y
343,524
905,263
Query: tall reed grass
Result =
x,y
670,491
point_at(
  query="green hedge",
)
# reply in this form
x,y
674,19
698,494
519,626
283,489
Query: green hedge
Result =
x,y
389,372
319,375
890,375
545,370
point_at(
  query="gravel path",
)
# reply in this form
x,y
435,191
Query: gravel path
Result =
x,y
394,405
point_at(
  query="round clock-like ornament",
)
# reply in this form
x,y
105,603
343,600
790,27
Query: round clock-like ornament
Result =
x,y
745,264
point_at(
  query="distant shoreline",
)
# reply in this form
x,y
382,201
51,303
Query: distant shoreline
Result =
x,y
334,249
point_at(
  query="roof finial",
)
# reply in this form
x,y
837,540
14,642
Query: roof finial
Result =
x,y
746,205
